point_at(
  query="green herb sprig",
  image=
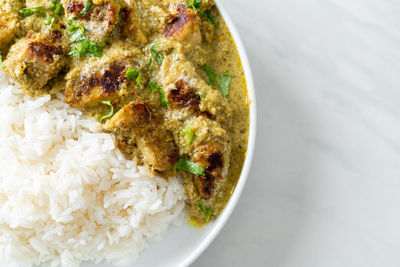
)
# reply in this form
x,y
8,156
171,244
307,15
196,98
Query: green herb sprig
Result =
x,y
188,134
224,80
188,166
26,12
156,88
56,7
131,74
109,114
203,209
210,73
87,48
196,5
86,6
157,56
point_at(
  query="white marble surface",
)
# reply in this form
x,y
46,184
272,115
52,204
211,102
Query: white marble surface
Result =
x,y
324,190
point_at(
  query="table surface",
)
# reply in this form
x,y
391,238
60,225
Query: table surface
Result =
x,y
325,182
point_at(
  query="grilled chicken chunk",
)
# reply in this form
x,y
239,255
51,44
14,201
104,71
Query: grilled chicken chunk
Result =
x,y
140,126
99,21
183,87
130,26
99,79
33,61
183,26
211,149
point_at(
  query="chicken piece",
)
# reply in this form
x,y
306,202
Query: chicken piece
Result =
x,y
130,26
183,26
99,21
99,78
210,147
33,61
140,127
183,86
184,96
9,22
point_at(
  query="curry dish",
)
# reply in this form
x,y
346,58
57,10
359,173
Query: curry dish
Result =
x,y
163,76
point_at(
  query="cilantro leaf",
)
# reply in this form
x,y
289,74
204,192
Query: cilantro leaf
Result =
x,y
195,5
164,101
210,73
156,88
56,7
49,20
153,86
86,6
131,74
203,209
188,133
224,81
76,30
87,48
111,113
139,79
158,56
188,166
26,12
211,18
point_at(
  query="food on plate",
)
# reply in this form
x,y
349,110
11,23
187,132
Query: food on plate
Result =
x,y
161,79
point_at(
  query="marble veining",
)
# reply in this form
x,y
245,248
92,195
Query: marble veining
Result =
x,y
324,190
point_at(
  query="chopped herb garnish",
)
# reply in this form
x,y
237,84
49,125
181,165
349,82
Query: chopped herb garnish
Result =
x,y
131,74
195,5
2,63
188,166
210,73
224,81
86,6
49,20
149,65
158,56
76,30
202,95
164,101
156,88
111,113
56,7
211,18
87,48
153,86
26,12
139,79
203,209
188,133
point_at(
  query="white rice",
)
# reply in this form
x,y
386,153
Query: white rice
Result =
x,y
66,193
